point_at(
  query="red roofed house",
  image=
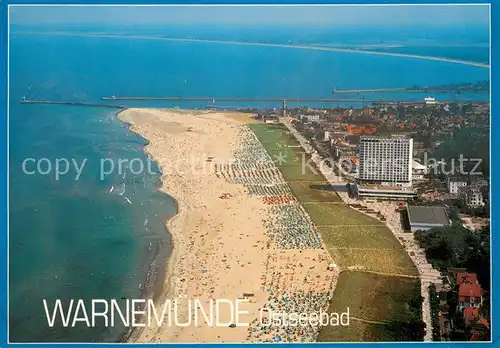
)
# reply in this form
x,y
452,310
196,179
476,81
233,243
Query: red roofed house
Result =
x,y
463,277
470,314
479,326
475,337
470,293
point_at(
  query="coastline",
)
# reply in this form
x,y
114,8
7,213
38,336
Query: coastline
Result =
x,y
219,246
163,286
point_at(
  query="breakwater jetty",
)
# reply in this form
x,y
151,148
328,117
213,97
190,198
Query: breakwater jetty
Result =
x,y
74,103
245,99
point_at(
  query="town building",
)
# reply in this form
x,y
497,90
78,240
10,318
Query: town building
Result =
x,y
385,167
430,101
271,119
310,118
342,149
418,171
358,130
334,134
335,115
472,196
470,293
418,148
478,326
481,109
478,181
427,217
384,192
386,159
367,111
455,184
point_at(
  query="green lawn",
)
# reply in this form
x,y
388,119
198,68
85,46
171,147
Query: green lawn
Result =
x,y
337,214
374,298
359,237
355,332
292,161
296,172
314,191
359,331
387,261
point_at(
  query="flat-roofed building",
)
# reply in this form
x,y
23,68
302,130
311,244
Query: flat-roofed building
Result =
x,y
384,192
427,217
310,118
430,101
419,171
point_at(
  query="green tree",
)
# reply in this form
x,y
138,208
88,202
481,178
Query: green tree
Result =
x,y
456,246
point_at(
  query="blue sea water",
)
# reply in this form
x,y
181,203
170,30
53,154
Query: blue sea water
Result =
x,y
74,238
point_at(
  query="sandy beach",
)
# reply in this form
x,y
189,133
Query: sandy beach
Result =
x,y
230,239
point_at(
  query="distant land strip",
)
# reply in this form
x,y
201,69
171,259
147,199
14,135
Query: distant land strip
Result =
x,y
407,90
305,47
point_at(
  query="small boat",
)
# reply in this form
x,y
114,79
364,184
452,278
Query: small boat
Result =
x,y
128,200
111,189
123,191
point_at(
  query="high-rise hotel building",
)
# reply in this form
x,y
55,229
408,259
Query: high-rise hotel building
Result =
x,y
385,167
385,159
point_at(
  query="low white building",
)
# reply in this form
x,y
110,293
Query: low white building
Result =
x,y
430,101
418,171
456,184
327,135
384,191
310,118
334,135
